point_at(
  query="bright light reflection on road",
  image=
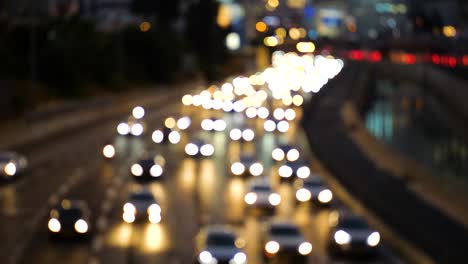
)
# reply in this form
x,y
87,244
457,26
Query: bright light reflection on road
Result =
x,y
155,238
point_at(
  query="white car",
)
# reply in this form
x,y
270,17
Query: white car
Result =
x,y
247,165
218,244
262,196
283,238
313,189
141,206
351,234
199,148
12,165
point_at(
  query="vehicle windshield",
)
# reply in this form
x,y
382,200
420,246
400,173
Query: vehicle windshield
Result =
x,y
284,231
220,240
261,188
354,223
71,214
142,197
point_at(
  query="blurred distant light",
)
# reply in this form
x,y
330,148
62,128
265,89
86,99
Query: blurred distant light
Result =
x,y
224,18
271,41
145,26
261,26
294,33
233,41
305,47
449,31
187,100
170,122
281,32
138,112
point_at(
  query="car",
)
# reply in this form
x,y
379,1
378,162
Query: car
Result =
x,y
165,135
199,148
141,206
242,134
12,165
213,124
247,165
149,167
220,245
261,196
131,127
285,152
70,219
314,190
351,235
294,169
283,239
271,125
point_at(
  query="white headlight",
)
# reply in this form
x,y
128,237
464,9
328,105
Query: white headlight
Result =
x,y
290,114
285,171
256,169
374,239
250,198
217,104
248,134
237,168
174,137
303,195
129,208
207,103
137,129
158,136
207,124
108,151
298,100
154,218
228,106
305,248
240,258
219,125
239,106
123,129
136,170
10,169
269,125
278,154
154,209
156,170
235,134
191,149
293,155
81,226
278,114
184,122
205,257
54,225
272,247
207,150
196,100
283,126
263,112
342,238
128,217
274,199
325,196
138,112
251,112
187,100
303,172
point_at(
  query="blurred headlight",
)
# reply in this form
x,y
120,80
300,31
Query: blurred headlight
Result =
x,y
191,149
303,195
305,248
128,217
374,239
278,114
228,106
290,114
248,135
54,225
235,134
207,125
237,168
263,112
154,218
256,169
269,125
298,100
154,209
129,208
138,112
251,112
156,170
10,169
205,257
274,199
325,196
170,122
81,226
187,100
342,237
219,125
184,122
196,100
239,106
250,198
303,172
272,247
285,171
283,126
108,151
158,136
207,150
174,137
136,170
207,104
123,129
137,130
239,258
278,154
293,155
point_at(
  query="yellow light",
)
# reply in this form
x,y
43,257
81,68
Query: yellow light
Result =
x,y
281,32
305,47
273,3
170,122
294,33
302,32
145,26
261,26
224,18
271,41
449,31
